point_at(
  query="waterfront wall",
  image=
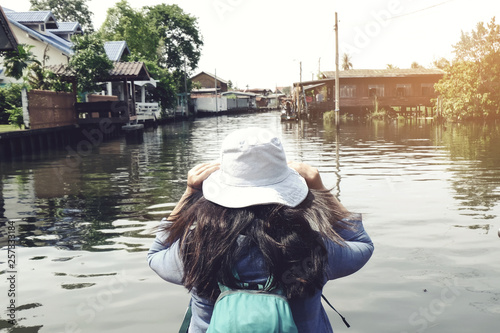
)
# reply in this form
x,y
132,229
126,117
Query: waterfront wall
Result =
x,y
49,109
23,144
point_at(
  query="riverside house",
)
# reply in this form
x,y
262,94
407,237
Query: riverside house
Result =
x,y
365,90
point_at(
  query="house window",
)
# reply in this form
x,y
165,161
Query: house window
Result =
x,y
427,89
403,90
348,91
376,90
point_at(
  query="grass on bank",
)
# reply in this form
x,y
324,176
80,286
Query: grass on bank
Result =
x,y
8,128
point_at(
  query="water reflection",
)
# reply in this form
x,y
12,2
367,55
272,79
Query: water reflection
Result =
x,y
429,192
81,204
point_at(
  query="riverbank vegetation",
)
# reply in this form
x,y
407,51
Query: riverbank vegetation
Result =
x,y
170,52
470,89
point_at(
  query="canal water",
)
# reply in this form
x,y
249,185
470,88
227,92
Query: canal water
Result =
x,y
428,193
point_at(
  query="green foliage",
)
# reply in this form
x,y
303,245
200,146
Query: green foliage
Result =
x,y
441,63
10,96
67,11
471,87
16,63
166,87
172,47
181,40
16,116
124,23
41,78
90,62
172,35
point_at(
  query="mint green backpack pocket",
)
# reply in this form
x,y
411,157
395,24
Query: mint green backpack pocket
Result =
x,y
251,311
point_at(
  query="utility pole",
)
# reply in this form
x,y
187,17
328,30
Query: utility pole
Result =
x,y
298,91
185,89
337,86
319,67
215,82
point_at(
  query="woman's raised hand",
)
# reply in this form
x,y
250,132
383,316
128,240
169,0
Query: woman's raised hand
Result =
x,y
198,174
309,173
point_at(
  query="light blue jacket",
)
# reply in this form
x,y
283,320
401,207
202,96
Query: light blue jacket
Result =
x,y
308,313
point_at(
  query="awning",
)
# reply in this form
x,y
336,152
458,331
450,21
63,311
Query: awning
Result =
x,y
312,86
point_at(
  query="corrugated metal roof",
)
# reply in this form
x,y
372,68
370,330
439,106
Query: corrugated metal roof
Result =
x,y
116,49
66,27
31,17
212,75
48,38
238,93
359,73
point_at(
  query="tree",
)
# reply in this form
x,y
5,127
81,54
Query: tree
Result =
x,y
416,65
90,62
16,63
171,50
180,38
346,62
125,23
441,63
471,85
67,11
391,66
173,39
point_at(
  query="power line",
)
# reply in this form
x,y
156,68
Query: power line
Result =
x,y
420,10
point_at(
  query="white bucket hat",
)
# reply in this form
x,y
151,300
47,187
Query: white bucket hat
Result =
x,y
254,171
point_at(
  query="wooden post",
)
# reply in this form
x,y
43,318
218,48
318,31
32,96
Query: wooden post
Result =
x,y
134,110
126,98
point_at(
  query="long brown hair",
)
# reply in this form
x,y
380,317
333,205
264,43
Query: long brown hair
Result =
x,y
290,240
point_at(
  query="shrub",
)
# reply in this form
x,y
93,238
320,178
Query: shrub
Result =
x,y
10,96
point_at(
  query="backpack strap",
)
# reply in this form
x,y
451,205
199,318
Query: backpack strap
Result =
x,y
245,285
343,319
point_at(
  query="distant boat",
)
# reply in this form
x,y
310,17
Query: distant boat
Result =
x,y
287,113
288,117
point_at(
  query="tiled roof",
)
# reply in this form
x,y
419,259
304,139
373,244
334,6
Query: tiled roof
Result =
x,y
130,71
115,50
359,73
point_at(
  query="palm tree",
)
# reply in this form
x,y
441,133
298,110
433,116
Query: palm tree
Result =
x,y
16,63
391,66
346,62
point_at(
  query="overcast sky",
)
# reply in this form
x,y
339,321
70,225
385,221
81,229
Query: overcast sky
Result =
x,y
261,43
